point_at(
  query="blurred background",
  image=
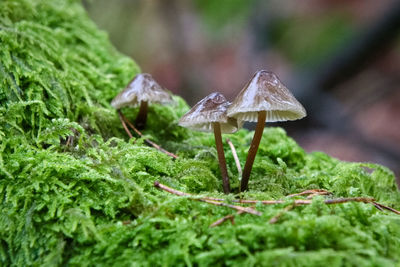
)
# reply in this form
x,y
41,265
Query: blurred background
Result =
x,y
340,58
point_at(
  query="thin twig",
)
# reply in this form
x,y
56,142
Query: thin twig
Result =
x,y
130,124
348,199
385,207
238,208
279,215
313,192
377,206
121,118
141,135
317,194
327,201
297,202
235,157
223,219
309,201
230,217
183,194
171,190
206,200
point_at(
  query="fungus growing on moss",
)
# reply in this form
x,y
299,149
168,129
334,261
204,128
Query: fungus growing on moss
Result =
x,y
95,204
209,115
263,99
142,91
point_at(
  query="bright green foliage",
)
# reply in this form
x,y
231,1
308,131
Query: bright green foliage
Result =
x,y
55,64
72,194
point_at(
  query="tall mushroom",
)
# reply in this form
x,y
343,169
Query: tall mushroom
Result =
x,y
263,99
209,115
141,91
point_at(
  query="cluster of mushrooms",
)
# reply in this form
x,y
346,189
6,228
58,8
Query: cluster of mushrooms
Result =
x,y
263,99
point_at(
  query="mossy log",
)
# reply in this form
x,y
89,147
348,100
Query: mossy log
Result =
x,y
75,191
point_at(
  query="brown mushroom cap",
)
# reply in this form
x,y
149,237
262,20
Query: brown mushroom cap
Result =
x,y
266,92
142,88
210,109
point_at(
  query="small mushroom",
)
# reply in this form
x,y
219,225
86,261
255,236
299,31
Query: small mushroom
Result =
x,y
141,91
209,115
264,98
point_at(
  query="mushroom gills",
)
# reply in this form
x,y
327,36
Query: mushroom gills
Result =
x,y
272,116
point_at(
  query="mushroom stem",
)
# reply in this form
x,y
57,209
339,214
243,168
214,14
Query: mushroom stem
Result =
x,y
141,118
251,155
221,157
235,156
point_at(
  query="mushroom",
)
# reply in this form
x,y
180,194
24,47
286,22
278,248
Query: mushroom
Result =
x,y
263,99
209,115
142,90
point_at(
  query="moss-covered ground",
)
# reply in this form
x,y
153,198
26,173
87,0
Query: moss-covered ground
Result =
x,y
75,191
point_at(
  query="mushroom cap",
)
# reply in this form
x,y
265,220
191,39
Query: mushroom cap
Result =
x,y
210,109
142,88
265,92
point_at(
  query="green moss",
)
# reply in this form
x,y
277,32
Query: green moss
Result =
x,y
74,191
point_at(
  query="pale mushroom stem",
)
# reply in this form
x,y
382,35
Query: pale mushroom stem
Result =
x,y
221,157
141,118
235,156
251,155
